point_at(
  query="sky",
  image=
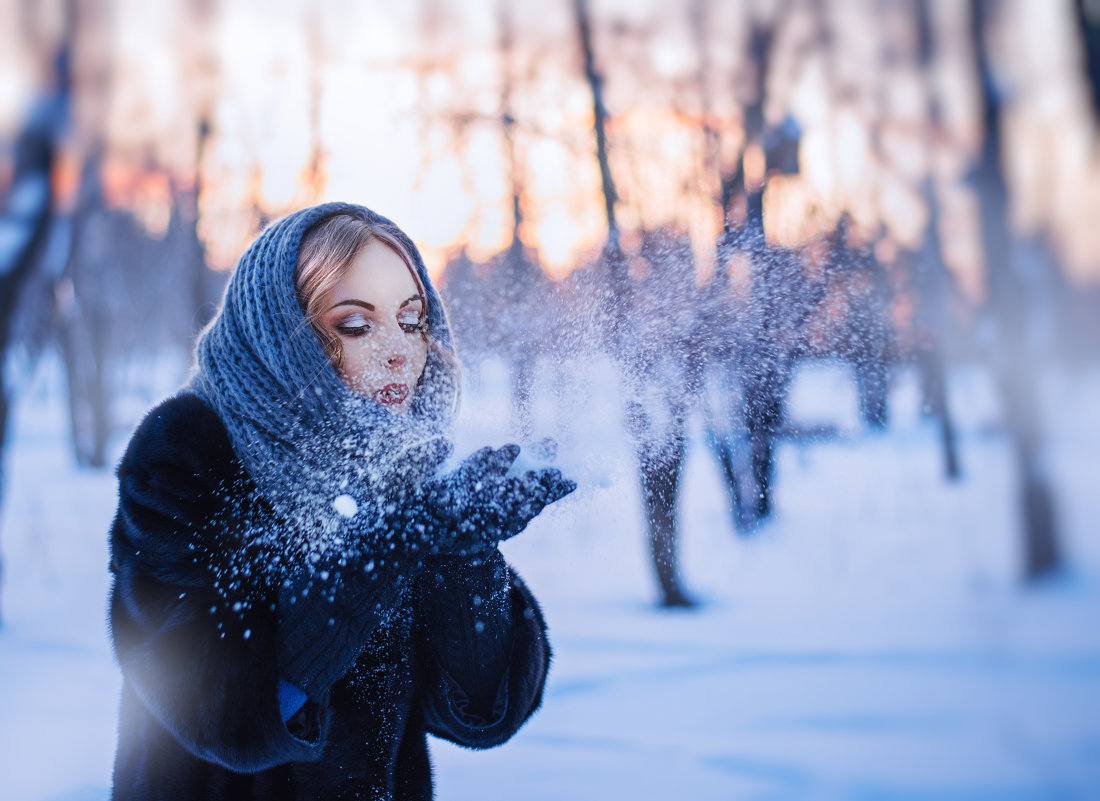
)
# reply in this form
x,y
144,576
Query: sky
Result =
x,y
399,106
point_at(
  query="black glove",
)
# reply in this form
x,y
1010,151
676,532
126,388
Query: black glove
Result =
x,y
478,504
328,609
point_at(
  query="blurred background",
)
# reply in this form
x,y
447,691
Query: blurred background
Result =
x,y
806,291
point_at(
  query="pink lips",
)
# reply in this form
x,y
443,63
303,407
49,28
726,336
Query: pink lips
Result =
x,y
392,394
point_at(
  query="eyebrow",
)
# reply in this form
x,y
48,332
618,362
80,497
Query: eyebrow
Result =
x,y
370,306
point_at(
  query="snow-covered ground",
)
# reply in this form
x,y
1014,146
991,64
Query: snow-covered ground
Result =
x,y
872,642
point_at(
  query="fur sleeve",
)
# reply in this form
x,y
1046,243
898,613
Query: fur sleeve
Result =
x,y
193,629
521,690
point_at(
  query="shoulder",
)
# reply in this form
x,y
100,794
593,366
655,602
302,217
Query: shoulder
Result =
x,y
178,477
181,432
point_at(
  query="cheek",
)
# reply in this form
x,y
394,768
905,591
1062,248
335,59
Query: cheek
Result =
x,y
359,361
420,356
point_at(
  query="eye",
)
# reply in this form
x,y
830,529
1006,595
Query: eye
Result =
x,y
354,325
411,321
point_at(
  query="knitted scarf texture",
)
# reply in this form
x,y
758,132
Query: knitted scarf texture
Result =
x,y
318,452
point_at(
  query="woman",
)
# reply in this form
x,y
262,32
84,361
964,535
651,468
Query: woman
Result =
x,y
301,593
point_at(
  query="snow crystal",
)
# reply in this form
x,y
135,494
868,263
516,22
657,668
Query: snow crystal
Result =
x,y
345,506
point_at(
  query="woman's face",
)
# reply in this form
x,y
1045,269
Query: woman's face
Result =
x,y
379,316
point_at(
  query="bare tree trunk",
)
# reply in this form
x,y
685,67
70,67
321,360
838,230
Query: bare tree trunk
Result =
x,y
204,305
184,228
201,73
1015,361
931,274
522,363
731,179
725,422
660,461
762,366
29,213
661,467
315,176
931,283
614,259
1088,21
82,323
599,110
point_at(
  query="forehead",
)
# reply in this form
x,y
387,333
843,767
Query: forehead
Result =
x,y
378,276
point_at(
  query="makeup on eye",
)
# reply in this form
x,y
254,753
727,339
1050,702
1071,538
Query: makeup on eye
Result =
x,y
412,320
354,325
410,317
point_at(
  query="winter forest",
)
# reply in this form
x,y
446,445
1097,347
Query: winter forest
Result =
x,y
804,294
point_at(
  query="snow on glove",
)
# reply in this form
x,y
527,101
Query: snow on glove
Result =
x,y
328,610
478,504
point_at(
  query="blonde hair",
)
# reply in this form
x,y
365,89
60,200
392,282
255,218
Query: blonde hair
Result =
x,y
324,257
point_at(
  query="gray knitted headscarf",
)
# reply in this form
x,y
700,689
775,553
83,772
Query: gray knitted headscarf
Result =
x,y
316,450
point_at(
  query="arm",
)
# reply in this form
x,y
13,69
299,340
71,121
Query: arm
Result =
x,y
220,640
482,682
466,610
194,633
483,639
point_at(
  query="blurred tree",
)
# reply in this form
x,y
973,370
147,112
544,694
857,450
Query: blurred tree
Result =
x,y
504,307
87,291
118,305
521,286
769,330
314,174
119,296
867,341
722,387
614,263
1088,20
1015,359
930,273
651,362
200,76
85,295
468,311
29,205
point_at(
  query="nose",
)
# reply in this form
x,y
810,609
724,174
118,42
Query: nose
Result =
x,y
394,349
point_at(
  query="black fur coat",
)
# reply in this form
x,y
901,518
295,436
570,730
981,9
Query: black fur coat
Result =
x,y
195,637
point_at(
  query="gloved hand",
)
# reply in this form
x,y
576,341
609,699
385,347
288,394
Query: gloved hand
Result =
x,y
478,505
328,608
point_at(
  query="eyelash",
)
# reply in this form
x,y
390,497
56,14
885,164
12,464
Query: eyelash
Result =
x,y
355,331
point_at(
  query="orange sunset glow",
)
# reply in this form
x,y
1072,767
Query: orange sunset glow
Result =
x,y
398,107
